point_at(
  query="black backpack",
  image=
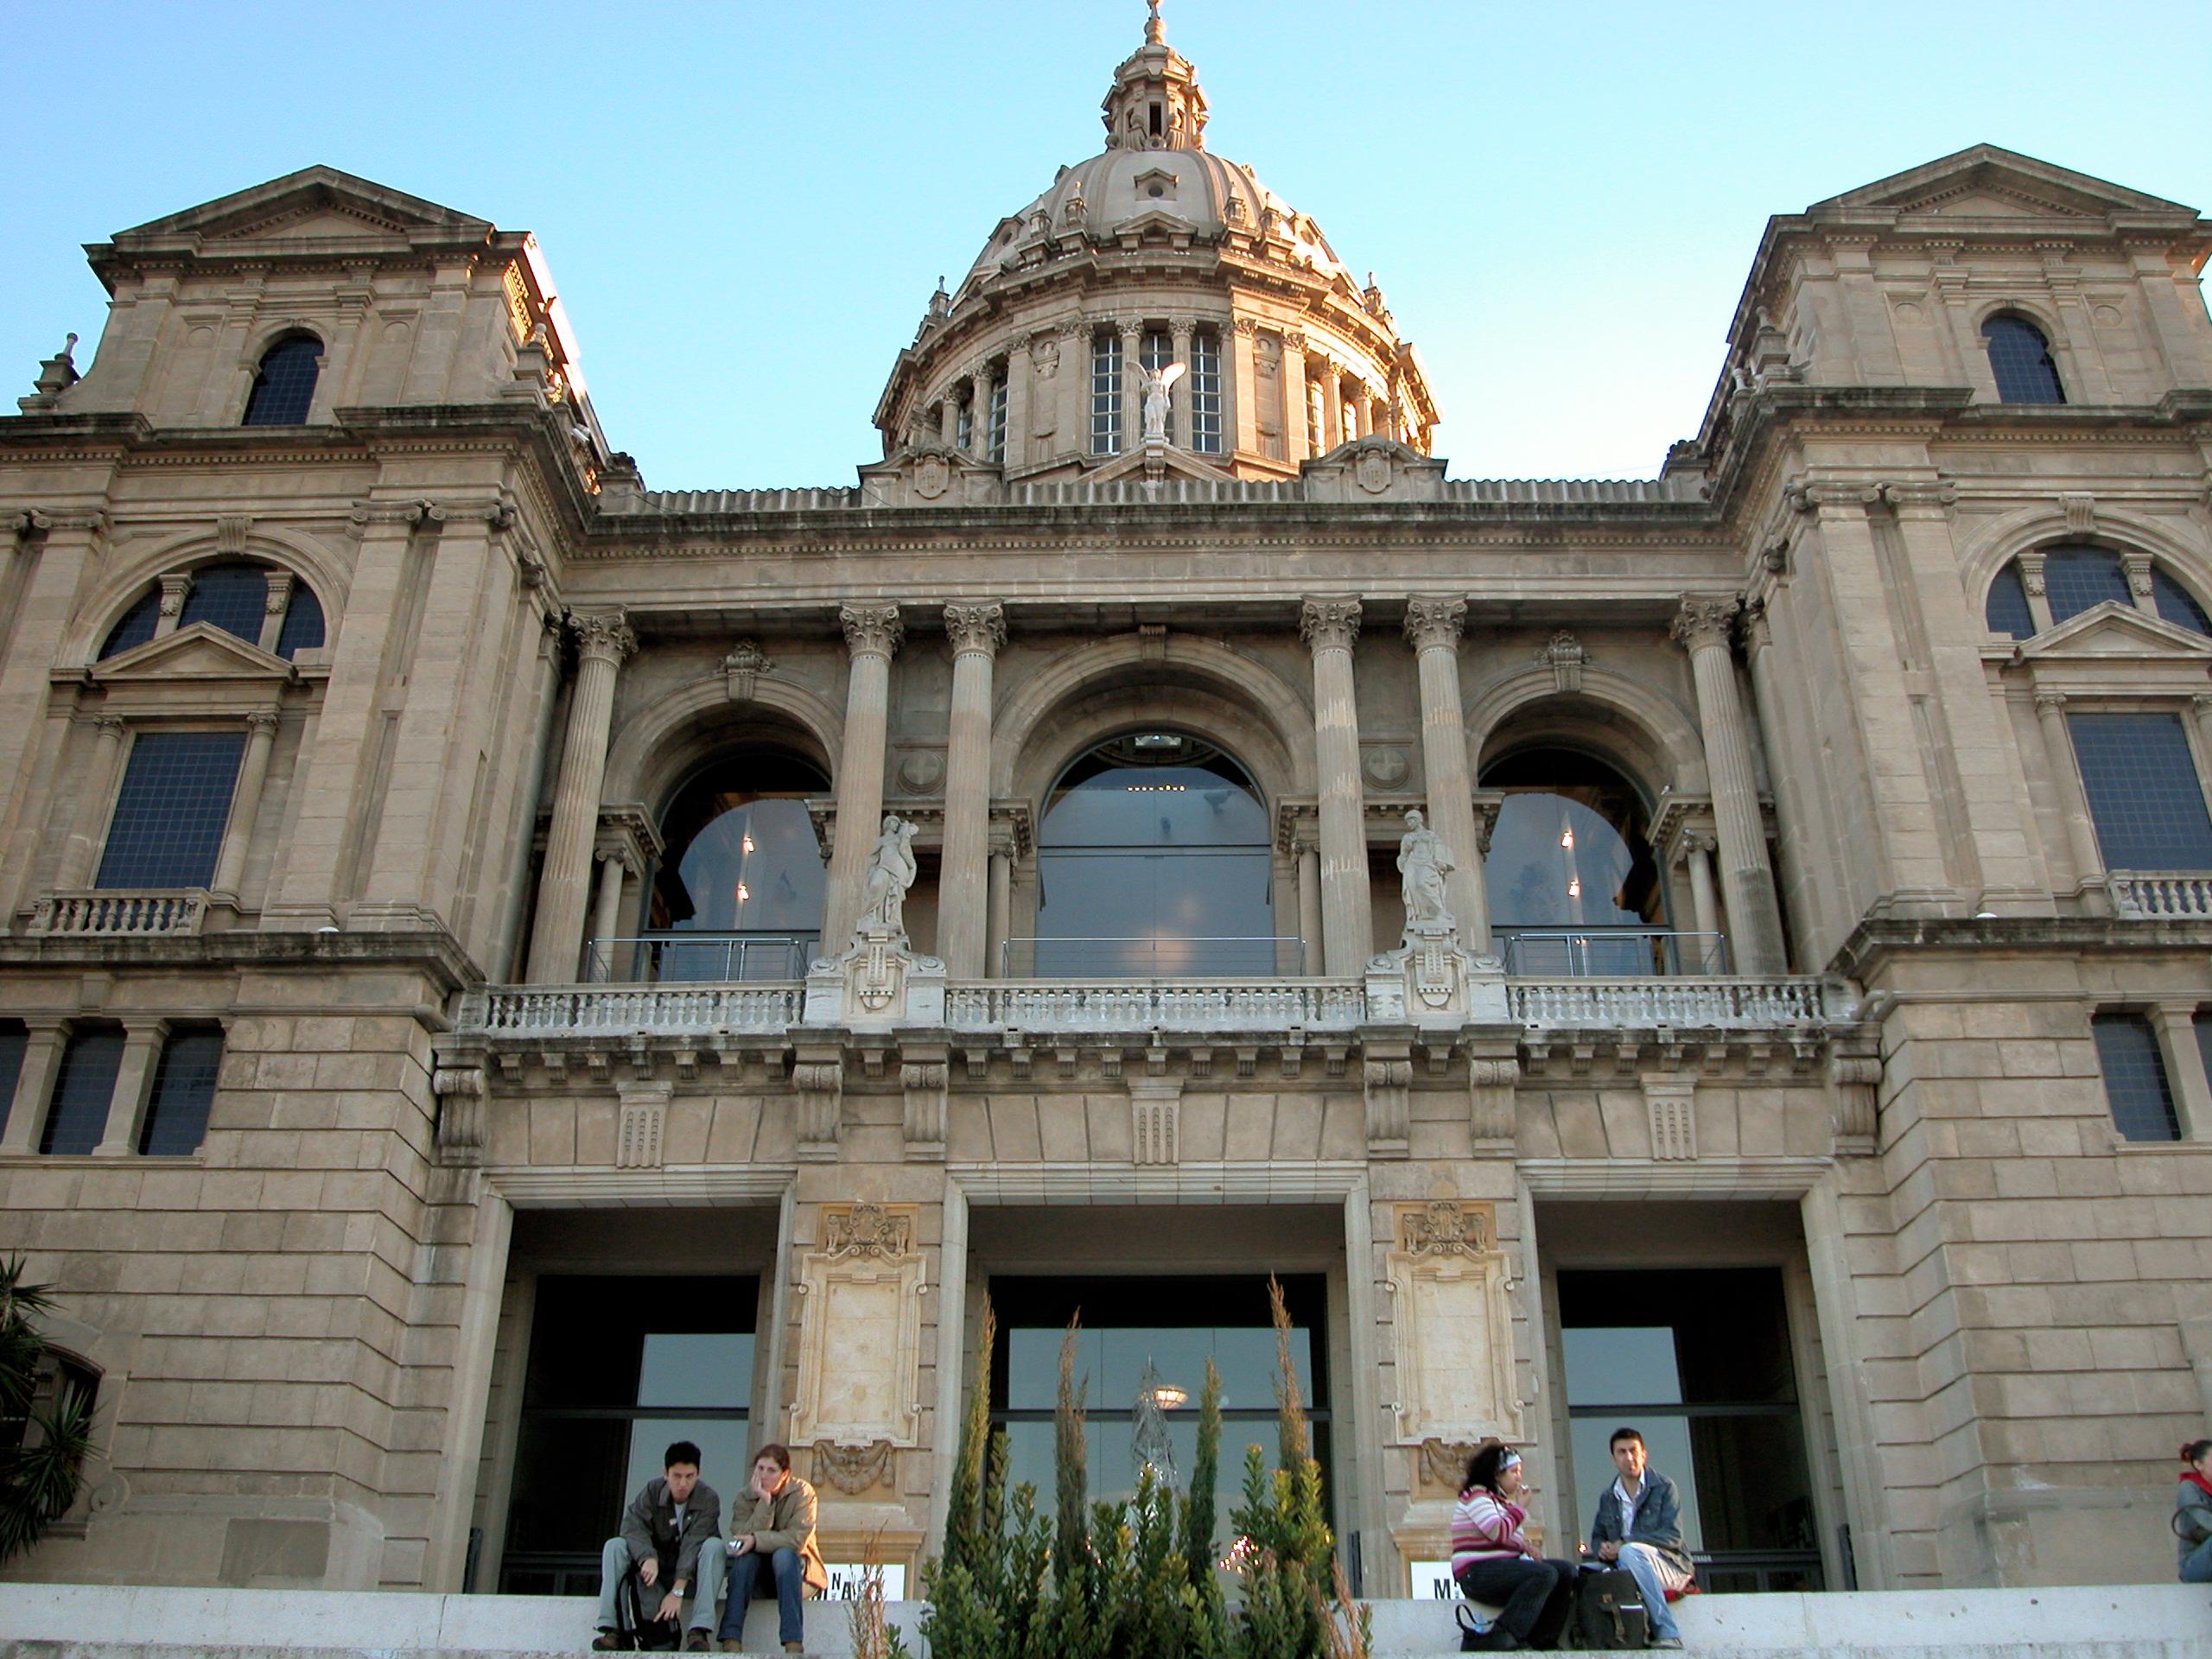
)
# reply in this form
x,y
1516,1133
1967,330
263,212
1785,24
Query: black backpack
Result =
x,y
1609,1611
633,1632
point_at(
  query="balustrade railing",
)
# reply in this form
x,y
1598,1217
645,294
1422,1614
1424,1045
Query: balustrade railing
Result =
x,y
602,1010
1635,1003
1126,1005
117,914
2140,893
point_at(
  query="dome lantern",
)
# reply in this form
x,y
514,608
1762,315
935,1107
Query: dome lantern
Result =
x,y
1154,102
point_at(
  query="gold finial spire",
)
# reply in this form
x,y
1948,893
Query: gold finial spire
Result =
x,y
1155,32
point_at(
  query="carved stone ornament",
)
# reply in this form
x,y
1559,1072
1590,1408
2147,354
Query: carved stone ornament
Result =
x,y
1443,1463
1452,1325
173,589
871,628
743,668
1387,767
977,628
1565,657
1445,1227
920,771
1704,621
1435,624
603,634
867,1230
1043,355
1372,472
1329,623
932,477
2031,574
854,1469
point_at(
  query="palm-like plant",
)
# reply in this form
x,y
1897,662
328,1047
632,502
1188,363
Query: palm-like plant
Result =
x,y
39,1471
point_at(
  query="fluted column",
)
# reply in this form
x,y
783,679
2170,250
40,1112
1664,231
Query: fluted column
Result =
x,y
1179,401
1002,909
871,635
1433,626
607,919
1697,852
2072,798
1294,446
1746,880
1329,628
95,797
603,640
963,894
1309,907
245,804
1131,386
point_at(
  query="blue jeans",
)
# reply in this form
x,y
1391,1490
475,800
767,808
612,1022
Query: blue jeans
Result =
x,y
705,1591
1642,1561
1532,1598
744,1578
2196,1565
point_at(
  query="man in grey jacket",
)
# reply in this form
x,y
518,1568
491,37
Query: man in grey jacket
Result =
x,y
1639,1526
672,1533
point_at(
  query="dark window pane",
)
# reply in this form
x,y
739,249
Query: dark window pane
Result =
x,y
2202,1023
13,1037
233,597
2135,1077
2008,612
285,384
2176,605
137,625
170,812
83,1087
2078,577
302,629
2020,358
2144,793
184,1087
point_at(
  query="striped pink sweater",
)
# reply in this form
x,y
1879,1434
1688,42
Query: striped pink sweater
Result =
x,y
1486,1528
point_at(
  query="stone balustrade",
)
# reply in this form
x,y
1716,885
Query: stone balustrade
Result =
x,y
1700,1004
1140,1005
2140,893
120,914
620,1010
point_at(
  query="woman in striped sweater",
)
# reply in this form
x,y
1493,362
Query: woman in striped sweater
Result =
x,y
1493,1562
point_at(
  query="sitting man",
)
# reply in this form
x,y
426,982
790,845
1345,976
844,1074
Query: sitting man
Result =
x,y
671,1535
1639,1526
773,1523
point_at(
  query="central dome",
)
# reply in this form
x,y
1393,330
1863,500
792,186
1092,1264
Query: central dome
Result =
x,y
1156,305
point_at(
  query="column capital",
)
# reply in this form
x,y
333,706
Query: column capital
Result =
x,y
110,726
1294,339
1704,621
262,723
1435,622
1129,328
280,593
2202,702
977,627
1759,633
173,589
604,636
871,629
2050,702
1326,623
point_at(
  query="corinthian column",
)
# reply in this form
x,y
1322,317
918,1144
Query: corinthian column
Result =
x,y
1329,628
963,892
603,640
1746,880
1433,626
871,635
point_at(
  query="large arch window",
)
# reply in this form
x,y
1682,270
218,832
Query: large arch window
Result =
x,y
283,386
2020,358
2077,576
739,893
1154,861
1573,887
1205,392
235,596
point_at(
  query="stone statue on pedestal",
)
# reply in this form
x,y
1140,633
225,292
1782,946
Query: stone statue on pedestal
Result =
x,y
1156,387
890,872
1424,860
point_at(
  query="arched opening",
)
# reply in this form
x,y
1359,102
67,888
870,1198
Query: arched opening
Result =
x,y
738,892
283,386
234,595
1153,862
2021,360
1574,886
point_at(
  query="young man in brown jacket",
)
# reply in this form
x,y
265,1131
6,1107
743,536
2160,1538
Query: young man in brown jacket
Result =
x,y
771,1527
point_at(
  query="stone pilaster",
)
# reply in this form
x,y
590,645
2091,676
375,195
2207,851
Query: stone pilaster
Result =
x,y
976,631
1179,406
1294,446
607,918
603,640
1702,627
1432,627
2072,798
1329,628
871,636
134,1088
245,805
95,797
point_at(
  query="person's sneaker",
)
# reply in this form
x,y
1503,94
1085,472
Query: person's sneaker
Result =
x,y
794,1646
1675,1641
608,1642
731,1644
698,1641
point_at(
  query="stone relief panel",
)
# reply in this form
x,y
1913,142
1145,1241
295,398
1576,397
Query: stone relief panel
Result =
x,y
1454,1324
861,1329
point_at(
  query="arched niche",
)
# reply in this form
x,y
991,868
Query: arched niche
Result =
x,y
1648,736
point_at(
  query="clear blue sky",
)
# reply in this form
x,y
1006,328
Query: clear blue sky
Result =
x,y
747,205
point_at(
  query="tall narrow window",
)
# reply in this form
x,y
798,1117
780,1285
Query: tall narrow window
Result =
x,y
2144,796
83,1085
1205,392
2020,357
1106,394
995,431
184,1090
171,810
964,423
14,1036
283,386
2135,1077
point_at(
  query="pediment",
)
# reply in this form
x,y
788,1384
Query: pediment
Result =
x,y
202,651
1990,182
1159,221
1156,460
314,203
2113,629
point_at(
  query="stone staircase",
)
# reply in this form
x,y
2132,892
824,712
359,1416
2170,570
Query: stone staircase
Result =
x,y
78,1621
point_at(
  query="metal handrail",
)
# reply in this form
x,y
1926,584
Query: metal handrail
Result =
x,y
700,958
1140,956
1611,952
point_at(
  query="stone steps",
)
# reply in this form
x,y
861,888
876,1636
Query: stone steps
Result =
x,y
75,1621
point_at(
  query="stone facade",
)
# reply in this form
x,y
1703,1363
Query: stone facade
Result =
x,y
310,1333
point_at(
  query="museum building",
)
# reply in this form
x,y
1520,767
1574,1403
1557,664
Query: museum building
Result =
x,y
501,967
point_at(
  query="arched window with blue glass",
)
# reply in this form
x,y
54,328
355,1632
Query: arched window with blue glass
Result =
x,y
738,892
2020,358
2071,577
284,385
256,602
1154,860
